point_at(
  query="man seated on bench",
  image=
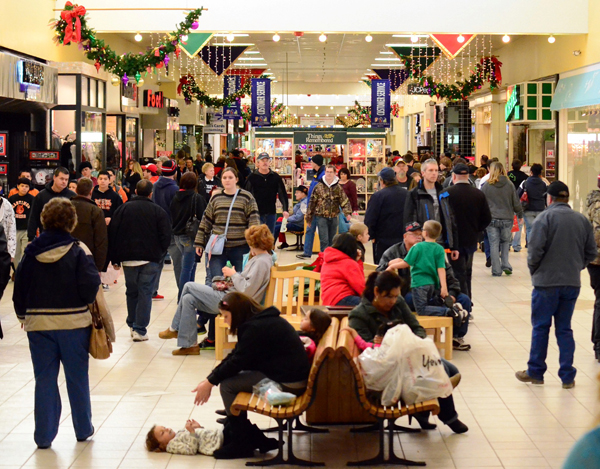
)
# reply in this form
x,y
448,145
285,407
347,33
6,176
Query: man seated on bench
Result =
x,y
413,234
295,221
267,347
381,303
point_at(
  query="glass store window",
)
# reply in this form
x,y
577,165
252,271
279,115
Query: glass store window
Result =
x,y
92,138
114,140
583,154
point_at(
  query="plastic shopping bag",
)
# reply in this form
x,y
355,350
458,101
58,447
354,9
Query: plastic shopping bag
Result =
x,y
271,391
110,276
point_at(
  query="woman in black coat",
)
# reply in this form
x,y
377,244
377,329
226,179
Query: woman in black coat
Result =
x,y
267,347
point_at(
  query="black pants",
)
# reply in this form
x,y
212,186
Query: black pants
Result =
x,y
379,247
463,269
594,271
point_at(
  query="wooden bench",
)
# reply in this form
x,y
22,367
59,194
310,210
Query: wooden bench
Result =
x,y
346,348
437,323
285,415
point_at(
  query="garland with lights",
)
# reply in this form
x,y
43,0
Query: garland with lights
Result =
x,y
361,115
191,91
72,28
277,114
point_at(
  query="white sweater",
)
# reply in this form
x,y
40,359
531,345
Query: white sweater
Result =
x,y
204,441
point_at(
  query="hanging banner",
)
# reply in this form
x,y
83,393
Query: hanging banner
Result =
x,y
380,103
231,85
261,102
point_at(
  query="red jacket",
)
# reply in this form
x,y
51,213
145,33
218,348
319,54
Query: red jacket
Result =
x,y
341,276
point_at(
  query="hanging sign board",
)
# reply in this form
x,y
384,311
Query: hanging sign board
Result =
x,y
380,104
215,124
416,89
231,85
261,102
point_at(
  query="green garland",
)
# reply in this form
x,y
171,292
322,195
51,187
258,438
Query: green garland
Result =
x,y
277,113
191,91
73,26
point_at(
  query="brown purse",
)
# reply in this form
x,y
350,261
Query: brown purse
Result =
x,y
100,346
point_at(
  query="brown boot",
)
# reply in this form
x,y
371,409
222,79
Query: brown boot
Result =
x,y
193,350
168,334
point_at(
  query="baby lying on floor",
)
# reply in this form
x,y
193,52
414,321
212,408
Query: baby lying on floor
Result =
x,y
194,439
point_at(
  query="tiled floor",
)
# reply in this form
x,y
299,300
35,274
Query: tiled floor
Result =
x,y
510,424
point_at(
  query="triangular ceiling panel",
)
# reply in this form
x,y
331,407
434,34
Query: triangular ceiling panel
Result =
x,y
422,57
220,58
395,75
195,42
449,43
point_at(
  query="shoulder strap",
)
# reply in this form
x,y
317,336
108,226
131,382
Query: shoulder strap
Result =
x,y
231,208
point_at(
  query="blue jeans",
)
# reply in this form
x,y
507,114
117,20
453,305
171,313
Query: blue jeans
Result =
x,y
290,227
548,303
499,235
327,230
461,298
269,220
48,350
185,245
349,301
139,286
516,242
529,219
175,255
309,239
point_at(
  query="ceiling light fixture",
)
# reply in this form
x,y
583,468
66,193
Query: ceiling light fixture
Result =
x,y
406,45
505,38
387,59
322,37
252,52
138,37
368,38
184,38
551,39
230,37
276,37
316,107
386,53
301,107
460,38
388,65
414,38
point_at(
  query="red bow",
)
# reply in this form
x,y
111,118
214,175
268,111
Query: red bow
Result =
x,y
497,67
72,32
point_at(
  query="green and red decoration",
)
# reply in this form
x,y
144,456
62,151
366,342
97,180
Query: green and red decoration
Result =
x,y
191,91
361,115
72,28
277,113
449,43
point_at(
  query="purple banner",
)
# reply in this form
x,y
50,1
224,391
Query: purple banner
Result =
x,y
231,85
380,103
261,102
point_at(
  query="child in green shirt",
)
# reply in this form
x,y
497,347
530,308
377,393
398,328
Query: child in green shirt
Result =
x,y
427,262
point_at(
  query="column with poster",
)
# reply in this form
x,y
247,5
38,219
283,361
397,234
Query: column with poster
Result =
x,y
231,85
380,104
261,102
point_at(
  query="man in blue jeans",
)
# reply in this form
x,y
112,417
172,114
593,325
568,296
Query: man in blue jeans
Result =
x,y
309,236
561,245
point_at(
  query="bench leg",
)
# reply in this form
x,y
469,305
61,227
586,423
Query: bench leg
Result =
x,y
393,459
300,427
377,460
375,427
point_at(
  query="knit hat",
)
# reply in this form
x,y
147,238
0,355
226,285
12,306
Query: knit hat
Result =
x,y
152,168
169,168
84,164
558,189
387,174
318,160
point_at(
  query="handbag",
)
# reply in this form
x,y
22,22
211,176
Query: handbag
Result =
x,y
100,346
524,199
216,243
193,223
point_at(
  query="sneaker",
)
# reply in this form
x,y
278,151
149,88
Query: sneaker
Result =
x,y
525,378
202,330
89,436
303,256
508,271
105,286
193,350
459,344
568,385
488,262
158,297
131,332
168,334
207,345
283,246
137,337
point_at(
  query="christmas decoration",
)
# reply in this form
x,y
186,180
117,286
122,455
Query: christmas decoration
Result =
x,y
72,28
191,91
361,115
277,113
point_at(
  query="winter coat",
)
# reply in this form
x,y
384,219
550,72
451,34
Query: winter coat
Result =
x,y
269,344
366,319
266,188
502,199
385,212
351,193
341,276
4,267
471,213
593,215
297,217
326,201
54,284
91,229
560,246
536,193
38,204
139,231
183,208
9,223
419,207
163,192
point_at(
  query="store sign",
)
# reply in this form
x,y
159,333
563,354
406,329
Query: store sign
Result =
x,y
129,95
215,124
317,121
380,103
261,102
153,99
30,73
416,89
512,109
325,137
231,85
44,155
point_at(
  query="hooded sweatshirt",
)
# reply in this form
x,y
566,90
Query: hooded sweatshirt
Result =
x,y
593,215
163,192
502,199
54,283
341,276
38,204
536,193
183,207
326,201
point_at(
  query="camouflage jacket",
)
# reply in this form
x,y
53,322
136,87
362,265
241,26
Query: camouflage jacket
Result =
x,y
326,201
593,215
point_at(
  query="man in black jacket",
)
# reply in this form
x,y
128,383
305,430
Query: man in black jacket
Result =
x,y
57,189
385,210
266,185
472,215
138,237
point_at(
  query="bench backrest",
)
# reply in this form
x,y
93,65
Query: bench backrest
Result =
x,y
347,348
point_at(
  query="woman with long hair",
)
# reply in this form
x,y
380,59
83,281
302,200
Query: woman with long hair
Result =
x,y
342,275
349,188
133,175
504,203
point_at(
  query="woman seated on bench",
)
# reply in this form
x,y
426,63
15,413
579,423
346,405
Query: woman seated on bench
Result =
x,y
342,274
382,302
267,347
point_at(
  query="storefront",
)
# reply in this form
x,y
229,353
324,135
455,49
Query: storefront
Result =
x,y
190,137
489,128
160,123
28,88
577,98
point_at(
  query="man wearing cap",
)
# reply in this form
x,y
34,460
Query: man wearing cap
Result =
x,y
152,173
560,247
384,211
401,170
295,221
85,169
326,202
266,185
309,235
163,192
472,216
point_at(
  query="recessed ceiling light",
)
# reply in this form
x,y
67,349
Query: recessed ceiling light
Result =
x,y
301,107
230,37
252,52
388,65
138,37
316,107
409,35
231,34
551,39
404,45
386,53
506,38
236,44
322,37
368,38
387,59
251,58
276,37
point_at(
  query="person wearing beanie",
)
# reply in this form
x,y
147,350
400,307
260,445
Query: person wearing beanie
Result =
x,y
85,169
309,236
21,203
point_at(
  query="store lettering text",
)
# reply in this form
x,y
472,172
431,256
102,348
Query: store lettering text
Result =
x,y
512,105
260,98
380,99
152,99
